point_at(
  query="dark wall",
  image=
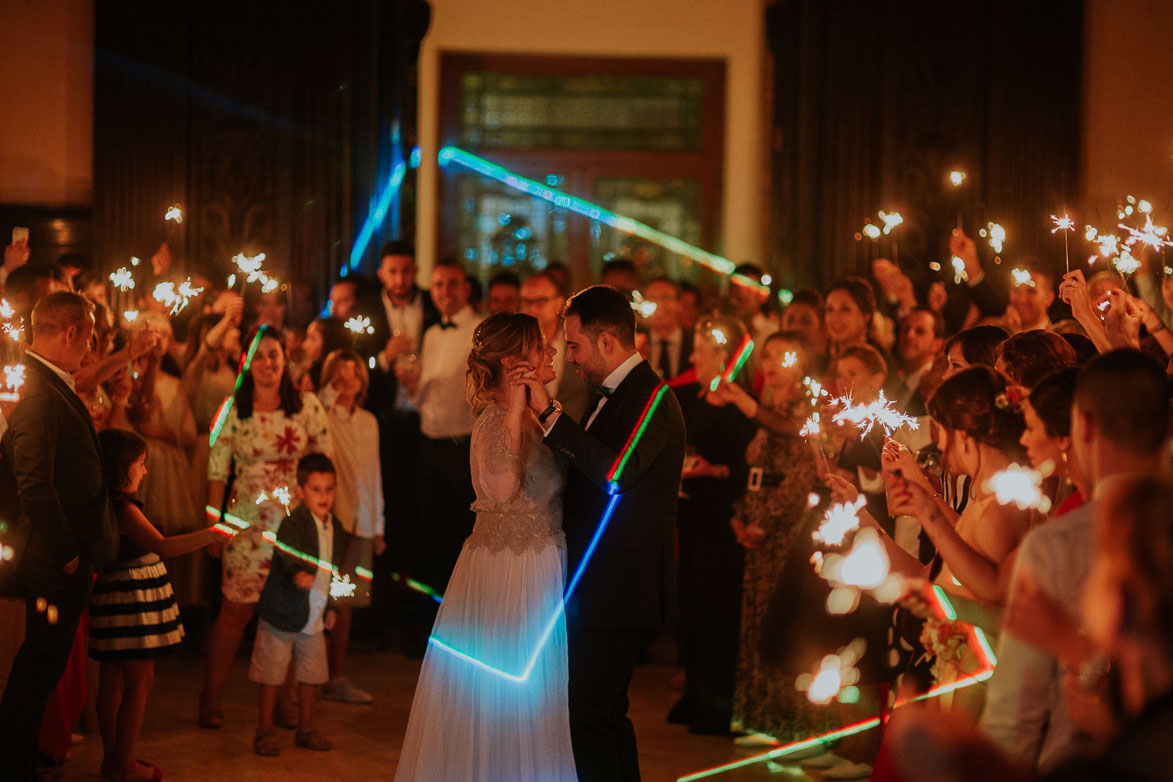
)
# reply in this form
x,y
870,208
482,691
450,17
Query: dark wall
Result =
x,y
873,104
267,120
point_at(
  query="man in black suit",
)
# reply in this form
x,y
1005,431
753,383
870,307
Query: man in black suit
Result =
x,y
400,313
669,345
64,530
623,592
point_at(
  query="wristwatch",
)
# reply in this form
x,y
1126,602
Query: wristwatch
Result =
x,y
554,407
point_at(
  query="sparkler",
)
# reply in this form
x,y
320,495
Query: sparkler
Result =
x,y
1066,225
13,381
135,260
812,428
1022,277
231,281
789,359
839,519
891,220
1109,244
995,235
130,316
1155,236
6,310
870,230
360,325
1125,263
863,569
1019,486
14,332
177,298
281,494
642,306
836,672
174,213
123,279
865,417
341,586
957,177
268,284
960,275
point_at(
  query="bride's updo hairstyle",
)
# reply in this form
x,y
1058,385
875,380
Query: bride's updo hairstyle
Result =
x,y
500,336
979,402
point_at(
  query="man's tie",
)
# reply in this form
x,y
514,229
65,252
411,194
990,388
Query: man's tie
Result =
x,y
447,324
665,361
601,390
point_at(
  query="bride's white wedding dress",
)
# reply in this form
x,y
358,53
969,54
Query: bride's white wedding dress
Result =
x,y
477,716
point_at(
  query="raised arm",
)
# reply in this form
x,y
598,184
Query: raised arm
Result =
x,y
135,525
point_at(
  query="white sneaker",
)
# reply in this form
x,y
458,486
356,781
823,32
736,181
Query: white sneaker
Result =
x,y
342,690
755,740
849,770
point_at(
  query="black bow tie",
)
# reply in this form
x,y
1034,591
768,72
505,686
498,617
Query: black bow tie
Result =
x,y
447,324
602,390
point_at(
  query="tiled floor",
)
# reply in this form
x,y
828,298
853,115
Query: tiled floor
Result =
x,y
366,738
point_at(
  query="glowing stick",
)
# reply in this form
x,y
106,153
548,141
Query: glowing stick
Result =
x,y
595,212
729,373
613,477
376,216
222,414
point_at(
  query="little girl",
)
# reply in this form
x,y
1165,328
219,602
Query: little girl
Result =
x,y
133,614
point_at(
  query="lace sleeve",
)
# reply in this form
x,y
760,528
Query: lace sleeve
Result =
x,y
500,467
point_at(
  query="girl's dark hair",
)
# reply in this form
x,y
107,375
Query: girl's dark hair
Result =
x,y
334,337
974,401
979,345
860,291
1051,399
1032,355
120,449
290,396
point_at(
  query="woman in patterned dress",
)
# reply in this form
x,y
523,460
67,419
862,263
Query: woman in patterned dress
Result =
x,y
269,427
767,520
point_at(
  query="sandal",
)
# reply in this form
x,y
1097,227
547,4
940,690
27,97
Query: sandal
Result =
x,y
266,744
311,739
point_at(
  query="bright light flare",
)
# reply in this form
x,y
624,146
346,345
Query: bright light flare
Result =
x,y
891,221
812,428
122,279
1064,223
789,359
130,316
995,234
174,213
1019,486
341,586
871,231
960,275
360,325
1126,263
14,331
957,177
643,307
6,310
866,417
839,519
1022,277
249,265
1154,236
835,673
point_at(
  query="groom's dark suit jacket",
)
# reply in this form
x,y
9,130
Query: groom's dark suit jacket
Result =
x,y
626,583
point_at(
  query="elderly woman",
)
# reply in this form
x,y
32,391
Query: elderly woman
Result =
x,y
269,427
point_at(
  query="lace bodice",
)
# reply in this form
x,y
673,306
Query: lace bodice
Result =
x,y
519,493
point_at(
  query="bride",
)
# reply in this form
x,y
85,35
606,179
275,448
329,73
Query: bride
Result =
x,y
491,702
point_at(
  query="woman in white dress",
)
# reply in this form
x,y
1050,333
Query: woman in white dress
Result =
x,y
491,702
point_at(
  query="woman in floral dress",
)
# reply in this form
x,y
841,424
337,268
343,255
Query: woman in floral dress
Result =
x,y
767,520
269,427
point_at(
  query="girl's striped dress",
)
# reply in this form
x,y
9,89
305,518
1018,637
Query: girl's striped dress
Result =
x,y
133,613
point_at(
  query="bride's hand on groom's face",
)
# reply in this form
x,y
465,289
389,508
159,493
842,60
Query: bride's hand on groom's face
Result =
x,y
523,376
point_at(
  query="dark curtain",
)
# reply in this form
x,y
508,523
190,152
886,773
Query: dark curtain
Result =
x,y
267,120
875,102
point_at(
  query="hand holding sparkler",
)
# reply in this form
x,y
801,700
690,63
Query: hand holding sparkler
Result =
x,y
1122,320
963,247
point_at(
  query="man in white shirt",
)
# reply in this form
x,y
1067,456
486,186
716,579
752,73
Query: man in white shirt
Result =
x,y
669,345
444,478
1026,709
541,299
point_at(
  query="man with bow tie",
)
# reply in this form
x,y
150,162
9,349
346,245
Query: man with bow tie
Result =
x,y
444,478
623,592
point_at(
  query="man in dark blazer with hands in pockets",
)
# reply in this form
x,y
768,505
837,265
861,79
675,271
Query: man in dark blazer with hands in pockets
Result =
x,y
622,595
64,530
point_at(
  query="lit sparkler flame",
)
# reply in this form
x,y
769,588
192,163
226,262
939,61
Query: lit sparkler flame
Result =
x,y
1144,207
268,284
14,332
1109,244
1155,236
183,296
1022,277
789,359
839,519
1125,263
282,495
812,428
641,305
891,220
174,213
231,281
957,177
1019,486
341,586
1090,233
996,235
866,416
6,310
960,275
1064,223
14,376
135,261
871,231
836,676
122,279
719,337
164,293
130,316
360,325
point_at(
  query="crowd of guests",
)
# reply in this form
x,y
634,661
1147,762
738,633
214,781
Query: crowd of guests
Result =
x,y
354,443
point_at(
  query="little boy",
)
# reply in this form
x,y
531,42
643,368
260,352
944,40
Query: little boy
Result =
x,y
295,605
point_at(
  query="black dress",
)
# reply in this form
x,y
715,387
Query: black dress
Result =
x,y
710,564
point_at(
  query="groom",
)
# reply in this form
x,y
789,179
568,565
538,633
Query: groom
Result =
x,y
622,595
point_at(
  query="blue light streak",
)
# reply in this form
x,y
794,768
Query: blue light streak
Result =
x,y
375,219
